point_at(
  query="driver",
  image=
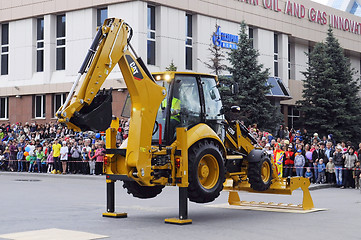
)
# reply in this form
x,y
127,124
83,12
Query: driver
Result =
x,y
175,113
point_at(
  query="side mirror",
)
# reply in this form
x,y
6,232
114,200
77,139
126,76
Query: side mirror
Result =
x,y
235,109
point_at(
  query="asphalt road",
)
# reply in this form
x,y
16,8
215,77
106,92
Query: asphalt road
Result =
x,y
75,202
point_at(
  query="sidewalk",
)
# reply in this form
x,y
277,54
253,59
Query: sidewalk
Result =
x,y
315,186
24,175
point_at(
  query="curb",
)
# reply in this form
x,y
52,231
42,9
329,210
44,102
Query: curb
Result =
x,y
49,175
320,186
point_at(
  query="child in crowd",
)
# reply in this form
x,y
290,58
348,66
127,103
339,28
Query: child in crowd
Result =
x,y
50,162
84,157
330,171
39,157
91,156
299,163
309,174
32,160
321,171
43,163
357,175
20,158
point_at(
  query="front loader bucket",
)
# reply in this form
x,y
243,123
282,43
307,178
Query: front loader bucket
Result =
x,y
98,115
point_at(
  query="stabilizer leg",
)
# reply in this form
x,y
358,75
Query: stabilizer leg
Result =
x,y
233,198
111,202
183,209
307,203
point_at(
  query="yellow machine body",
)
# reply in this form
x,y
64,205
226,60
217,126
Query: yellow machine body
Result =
x,y
196,155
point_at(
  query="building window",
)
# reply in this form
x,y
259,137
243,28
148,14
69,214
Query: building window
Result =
x,y
293,116
189,41
4,108
275,56
5,49
250,35
40,45
60,42
310,49
356,9
289,60
151,36
58,100
39,106
102,14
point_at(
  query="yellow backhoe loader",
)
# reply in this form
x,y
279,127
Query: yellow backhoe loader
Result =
x,y
178,135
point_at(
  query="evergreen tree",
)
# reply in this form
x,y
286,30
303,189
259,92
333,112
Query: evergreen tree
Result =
x,y
171,67
216,58
346,112
331,102
316,101
247,75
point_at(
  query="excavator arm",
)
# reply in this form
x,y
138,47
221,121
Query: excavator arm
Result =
x,y
109,47
88,108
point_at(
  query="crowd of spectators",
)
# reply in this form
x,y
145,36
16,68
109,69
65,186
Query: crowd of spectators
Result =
x,y
319,158
52,148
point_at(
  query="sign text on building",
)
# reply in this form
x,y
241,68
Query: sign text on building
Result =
x,y
224,40
314,15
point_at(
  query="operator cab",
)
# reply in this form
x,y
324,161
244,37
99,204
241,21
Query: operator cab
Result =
x,y
192,98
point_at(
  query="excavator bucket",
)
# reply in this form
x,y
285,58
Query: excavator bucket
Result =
x,y
98,115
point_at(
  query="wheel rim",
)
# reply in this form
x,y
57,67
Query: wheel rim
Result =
x,y
265,172
208,171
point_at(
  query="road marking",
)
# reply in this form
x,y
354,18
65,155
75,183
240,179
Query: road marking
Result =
x,y
52,233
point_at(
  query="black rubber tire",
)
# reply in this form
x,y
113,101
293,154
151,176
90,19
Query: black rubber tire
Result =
x,y
142,192
255,174
196,191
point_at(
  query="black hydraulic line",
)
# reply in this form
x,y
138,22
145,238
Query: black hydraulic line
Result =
x,y
130,33
91,51
245,132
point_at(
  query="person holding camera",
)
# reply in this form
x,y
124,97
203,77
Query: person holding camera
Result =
x,y
75,156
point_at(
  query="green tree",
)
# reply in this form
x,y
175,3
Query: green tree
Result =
x,y
171,67
316,101
346,114
215,61
249,77
331,103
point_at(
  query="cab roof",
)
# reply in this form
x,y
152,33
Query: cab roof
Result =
x,y
172,73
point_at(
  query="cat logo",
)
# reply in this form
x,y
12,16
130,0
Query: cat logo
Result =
x,y
231,131
135,70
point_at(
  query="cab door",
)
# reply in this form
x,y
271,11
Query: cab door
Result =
x,y
185,106
212,105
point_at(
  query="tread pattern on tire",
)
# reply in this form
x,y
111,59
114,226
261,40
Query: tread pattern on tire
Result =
x,y
255,177
142,192
196,192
